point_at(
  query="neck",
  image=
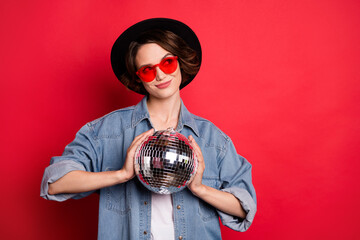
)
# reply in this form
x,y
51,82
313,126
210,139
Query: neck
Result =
x,y
164,113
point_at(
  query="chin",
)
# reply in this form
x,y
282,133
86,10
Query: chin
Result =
x,y
163,93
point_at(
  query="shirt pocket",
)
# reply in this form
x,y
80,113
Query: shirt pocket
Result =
x,y
118,198
206,211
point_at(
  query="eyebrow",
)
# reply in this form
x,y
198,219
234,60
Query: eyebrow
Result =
x,y
166,55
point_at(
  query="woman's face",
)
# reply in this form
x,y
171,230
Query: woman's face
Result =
x,y
164,85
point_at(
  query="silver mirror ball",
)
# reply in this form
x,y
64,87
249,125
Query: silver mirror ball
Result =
x,y
165,162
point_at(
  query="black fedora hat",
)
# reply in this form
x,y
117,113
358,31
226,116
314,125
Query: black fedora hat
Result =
x,y
121,45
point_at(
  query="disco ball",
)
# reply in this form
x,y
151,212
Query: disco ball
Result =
x,y
165,162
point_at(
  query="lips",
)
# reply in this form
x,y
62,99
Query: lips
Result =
x,y
163,85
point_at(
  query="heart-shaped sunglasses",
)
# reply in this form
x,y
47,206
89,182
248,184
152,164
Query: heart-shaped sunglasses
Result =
x,y
167,65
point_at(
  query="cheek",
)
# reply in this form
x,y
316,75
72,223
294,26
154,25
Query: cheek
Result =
x,y
146,85
178,75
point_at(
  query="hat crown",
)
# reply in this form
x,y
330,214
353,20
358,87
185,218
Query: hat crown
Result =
x,y
121,45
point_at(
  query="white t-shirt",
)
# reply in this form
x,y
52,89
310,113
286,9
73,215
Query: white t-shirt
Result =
x,y
162,219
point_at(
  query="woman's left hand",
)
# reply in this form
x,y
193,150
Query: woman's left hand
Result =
x,y
224,201
196,185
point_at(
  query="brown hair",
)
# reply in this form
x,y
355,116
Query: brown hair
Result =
x,y
187,57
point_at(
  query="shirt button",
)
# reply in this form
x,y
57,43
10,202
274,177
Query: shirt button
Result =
x,y
145,232
180,238
145,203
178,207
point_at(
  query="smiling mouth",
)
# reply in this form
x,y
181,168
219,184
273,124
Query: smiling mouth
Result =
x,y
163,85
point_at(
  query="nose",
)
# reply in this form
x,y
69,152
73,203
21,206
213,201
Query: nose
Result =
x,y
160,75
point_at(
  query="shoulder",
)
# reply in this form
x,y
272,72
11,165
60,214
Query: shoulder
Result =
x,y
123,113
112,124
210,132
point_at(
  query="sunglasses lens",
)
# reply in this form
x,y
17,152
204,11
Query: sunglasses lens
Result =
x,y
167,65
147,74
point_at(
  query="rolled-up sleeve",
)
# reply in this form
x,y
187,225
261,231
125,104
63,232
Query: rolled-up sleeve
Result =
x,y
235,173
54,172
248,205
80,154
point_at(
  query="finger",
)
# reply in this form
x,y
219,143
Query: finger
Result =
x,y
192,141
148,132
142,136
200,159
195,145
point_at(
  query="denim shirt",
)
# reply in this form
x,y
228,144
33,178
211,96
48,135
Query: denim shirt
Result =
x,y
125,209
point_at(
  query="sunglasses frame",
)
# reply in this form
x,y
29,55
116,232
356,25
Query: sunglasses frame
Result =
x,y
153,70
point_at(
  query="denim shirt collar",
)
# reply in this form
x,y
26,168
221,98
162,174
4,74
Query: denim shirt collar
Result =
x,y
141,113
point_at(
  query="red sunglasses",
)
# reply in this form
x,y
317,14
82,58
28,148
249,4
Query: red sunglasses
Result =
x,y
167,65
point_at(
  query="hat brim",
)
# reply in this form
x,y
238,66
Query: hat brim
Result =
x,y
121,45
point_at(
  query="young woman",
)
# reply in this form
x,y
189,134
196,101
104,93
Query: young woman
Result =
x,y
156,57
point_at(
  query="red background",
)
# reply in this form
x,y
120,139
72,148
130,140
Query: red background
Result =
x,y
281,78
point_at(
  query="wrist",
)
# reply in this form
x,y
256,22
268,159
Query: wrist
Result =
x,y
124,176
199,190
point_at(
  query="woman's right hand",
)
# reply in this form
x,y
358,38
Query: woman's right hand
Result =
x,y
82,181
128,169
